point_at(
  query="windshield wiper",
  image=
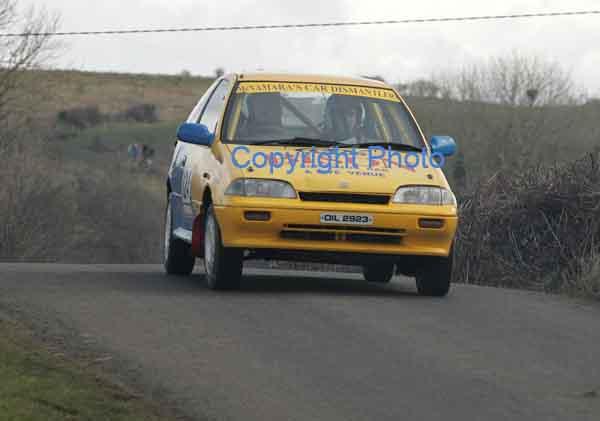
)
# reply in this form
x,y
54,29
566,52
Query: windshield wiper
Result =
x,y
394,146
297,141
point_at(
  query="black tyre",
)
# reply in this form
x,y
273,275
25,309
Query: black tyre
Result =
x,y
435,276
178,258
379,273
223,265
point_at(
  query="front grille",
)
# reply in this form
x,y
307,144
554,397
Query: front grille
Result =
x,y
308,235
371,199
343,233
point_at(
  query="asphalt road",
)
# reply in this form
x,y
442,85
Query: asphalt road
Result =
x,y
317,347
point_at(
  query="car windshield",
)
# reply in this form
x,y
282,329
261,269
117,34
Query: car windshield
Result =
x,y
274,113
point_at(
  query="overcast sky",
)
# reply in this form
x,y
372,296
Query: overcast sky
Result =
x,y
398,52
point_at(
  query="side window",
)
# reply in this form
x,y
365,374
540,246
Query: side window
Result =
x,y
215,105
195,114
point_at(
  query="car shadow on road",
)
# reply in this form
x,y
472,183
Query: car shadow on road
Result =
x,y
295,283
326,284
266,283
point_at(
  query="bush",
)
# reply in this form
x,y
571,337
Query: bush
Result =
x,y
35,209
87,117
111,205
52,211
81,117
583,278
539,229
142,113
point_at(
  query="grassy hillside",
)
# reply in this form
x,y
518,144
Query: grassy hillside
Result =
x,y
108,143
174,96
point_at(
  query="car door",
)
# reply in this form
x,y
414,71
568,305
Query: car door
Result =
x,y
195,161
204,159
180,173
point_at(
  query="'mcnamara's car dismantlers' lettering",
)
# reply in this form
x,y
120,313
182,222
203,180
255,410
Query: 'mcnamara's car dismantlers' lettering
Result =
x,y
309,168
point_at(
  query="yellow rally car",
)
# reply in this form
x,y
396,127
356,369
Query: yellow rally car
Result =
x,y
309,168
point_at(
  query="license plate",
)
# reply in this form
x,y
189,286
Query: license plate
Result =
x,y
346,219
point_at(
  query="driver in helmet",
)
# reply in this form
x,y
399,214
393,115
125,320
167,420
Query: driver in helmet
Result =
x,y
344,116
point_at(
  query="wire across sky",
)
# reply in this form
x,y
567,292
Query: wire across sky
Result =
x,y
308,25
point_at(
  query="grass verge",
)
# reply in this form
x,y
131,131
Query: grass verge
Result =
x,y
37,385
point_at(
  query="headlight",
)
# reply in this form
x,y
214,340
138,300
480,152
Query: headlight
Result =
x,y
261,188
424,195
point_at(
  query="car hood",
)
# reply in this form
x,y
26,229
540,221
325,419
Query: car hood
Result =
x,y
380,179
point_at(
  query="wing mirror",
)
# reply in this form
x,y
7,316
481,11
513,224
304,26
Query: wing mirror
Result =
x,y
196,134
443,145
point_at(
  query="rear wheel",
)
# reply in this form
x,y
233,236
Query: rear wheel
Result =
x,y
178,258
379,273
223,265
434,278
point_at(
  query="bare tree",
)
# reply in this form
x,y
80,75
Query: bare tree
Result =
x,y
466,85
512,80
512,77
19,53
421,87
517,102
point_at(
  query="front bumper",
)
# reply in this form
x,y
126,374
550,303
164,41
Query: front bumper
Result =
x,y
395,230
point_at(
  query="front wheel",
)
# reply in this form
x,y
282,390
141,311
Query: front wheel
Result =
x,y
378,273
434,277
178,258
223,265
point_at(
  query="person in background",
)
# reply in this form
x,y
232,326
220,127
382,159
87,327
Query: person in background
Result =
x,y
132,152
